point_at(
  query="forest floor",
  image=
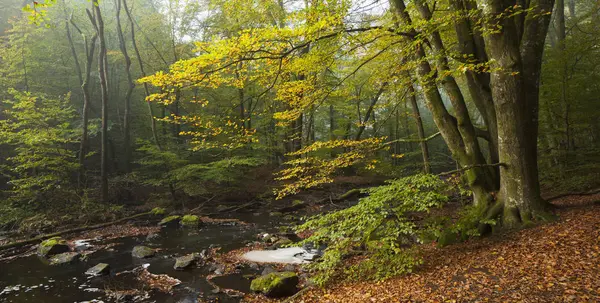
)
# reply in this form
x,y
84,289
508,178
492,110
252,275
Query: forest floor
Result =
x,y
554,262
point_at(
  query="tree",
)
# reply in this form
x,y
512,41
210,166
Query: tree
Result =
x,y
84,82
505,89
42,136
95,17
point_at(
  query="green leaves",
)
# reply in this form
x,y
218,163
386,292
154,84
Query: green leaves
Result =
x,y
42,135
378,225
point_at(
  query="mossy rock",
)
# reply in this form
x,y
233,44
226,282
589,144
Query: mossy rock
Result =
x,y
447,238
142,252
170,221
276,214
158,211
276,284
190,221
99,269
186,261
53,246
64,258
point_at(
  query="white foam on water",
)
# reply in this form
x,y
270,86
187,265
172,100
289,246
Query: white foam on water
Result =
x,y
281,255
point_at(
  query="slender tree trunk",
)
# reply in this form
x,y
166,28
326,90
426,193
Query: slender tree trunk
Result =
x,y
457,131
84,80
143,72
103,74
130,87
420,130
369,112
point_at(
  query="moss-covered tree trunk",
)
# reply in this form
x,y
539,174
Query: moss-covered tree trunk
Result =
x,y
516,52
507,99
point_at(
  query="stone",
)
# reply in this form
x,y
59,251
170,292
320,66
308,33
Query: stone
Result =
x,y
186,261
276,285
152,237
190,221
64,258
217,269
98,270
289,267
267,270
142,252
53,246
282,241
170,221
81,245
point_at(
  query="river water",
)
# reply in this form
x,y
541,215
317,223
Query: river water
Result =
x,y
30,279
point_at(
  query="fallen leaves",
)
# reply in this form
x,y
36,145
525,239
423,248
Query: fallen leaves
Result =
x,y
554,262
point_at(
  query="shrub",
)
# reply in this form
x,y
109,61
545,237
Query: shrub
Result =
x,y
380,226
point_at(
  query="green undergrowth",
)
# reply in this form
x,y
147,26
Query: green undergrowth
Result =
x,y
381,228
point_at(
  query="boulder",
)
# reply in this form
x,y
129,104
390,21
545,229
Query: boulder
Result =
x,y
64,258
53,246
276,285
190,221
186,261
98,270
142,252
170,221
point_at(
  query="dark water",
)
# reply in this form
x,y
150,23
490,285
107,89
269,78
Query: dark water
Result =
x,y
30,279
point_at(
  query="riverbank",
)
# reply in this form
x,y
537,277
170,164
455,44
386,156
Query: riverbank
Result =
x,y
554,262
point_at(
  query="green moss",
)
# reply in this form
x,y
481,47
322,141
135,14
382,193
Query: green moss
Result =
x,y
267,283
158,211
447,237
53,241
297,202
52,246
275,214
190,220
170,220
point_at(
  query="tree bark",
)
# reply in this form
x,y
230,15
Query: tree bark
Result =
x,y
458,133
143,72
412,98
514,44
103,74
84,80
130,87
516,108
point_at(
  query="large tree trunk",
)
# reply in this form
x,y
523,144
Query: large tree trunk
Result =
x,y
515,89
508,101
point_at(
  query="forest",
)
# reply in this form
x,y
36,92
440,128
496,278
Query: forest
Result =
x,y
299,151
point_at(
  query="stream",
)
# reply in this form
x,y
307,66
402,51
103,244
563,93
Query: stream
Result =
x,y
30,279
